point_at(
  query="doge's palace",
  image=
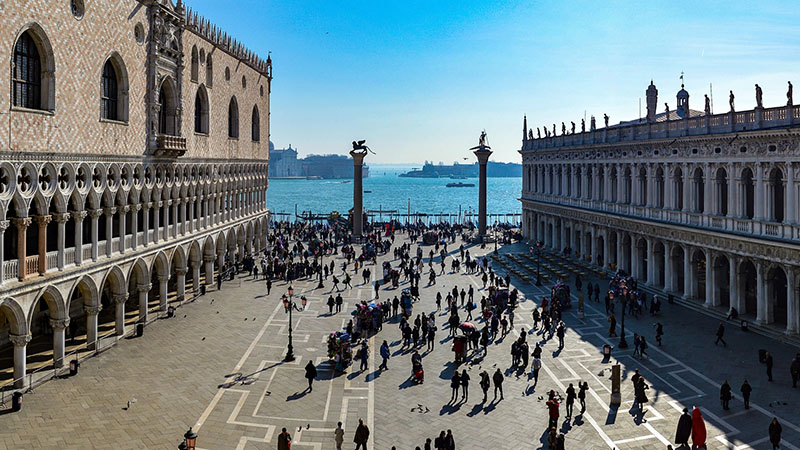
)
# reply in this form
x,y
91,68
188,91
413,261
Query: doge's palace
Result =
x,y
134,138
698,205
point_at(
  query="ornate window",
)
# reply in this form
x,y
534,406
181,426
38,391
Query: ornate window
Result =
x,y
110,95
209,71
233,119
195,64
26,74
256,126
201,111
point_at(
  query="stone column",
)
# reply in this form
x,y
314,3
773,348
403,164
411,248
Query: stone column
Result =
x,y
651,266
91,325
195,277
209,260
733,199
58,340
710,301
162,291
791,190
119,300
144,290
95,216
123,217
687,188
733,282
668,287
42,222
761,294
22,224
482,154
358,192
78,217
156,220
175,220
3,226
146,223
606,250
135,225
687,272
20,357
618,260
181,288
61,222
759,198
167,204
184,225
110,230
792,318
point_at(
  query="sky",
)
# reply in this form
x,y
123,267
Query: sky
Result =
x,y
419,80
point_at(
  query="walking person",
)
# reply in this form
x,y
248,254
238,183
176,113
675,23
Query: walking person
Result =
x,y
269,285
311,374
363,353
465,385
643,347
582,388
570,400
484,384
284,440
725,395
768,361
552,410
720,334
612,327
659,332
560,333
684,430
331,304
385,355
498,383
746,390
338,436
794,369
455,383
362,435
775,431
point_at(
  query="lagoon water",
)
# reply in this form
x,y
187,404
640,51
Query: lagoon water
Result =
x,y
389,191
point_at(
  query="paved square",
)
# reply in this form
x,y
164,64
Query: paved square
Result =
x,y
218,367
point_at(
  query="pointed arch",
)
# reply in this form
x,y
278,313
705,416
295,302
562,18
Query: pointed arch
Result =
x,y
201,110
114,89
255,128
33,70
233,118
195,64
55,303
15,315
161,264
167,114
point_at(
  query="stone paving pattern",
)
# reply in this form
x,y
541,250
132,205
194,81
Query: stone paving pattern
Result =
x,y
217,366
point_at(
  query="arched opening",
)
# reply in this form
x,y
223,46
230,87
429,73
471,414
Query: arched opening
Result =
x,y
255,129
195,69
722,192
600,258
201,110
589,182
11,324
722,288
233,119
677,189
32,71
560,184
613,180
776,296
776,195
699,191
642,180
137,302
658,264
677,261
209,71
747,193
612,257
114,95
628,186
569,181
44,317
578,182
626,253
699,273
641,259
748,287
167,110
601,184
659,187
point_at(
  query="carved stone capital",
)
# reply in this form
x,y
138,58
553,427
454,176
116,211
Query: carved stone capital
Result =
x,y
22,223
208,259
92,310
144,287
147,205
79,215
137,207
120,298
59,324
110,211
163,278
95,213
181,271
124,209
4,224
62,217
19,340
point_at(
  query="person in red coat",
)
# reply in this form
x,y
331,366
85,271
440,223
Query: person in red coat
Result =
x,y
552,409
698,429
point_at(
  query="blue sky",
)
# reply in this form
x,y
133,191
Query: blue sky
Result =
x,y
420,80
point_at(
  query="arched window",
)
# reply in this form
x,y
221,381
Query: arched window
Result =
x,y
256,126
209,71
195,64
26,74
167,121
233,119
201,111
110,95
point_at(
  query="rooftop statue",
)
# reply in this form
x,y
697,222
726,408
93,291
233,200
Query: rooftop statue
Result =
x,y
666,109
573,127
530,134
730,100
605,117
563,129
554,129
583,125
789,101
759,95
538,133
708,106
592,124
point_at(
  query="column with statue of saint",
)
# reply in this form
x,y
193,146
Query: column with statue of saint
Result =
x,y
482,151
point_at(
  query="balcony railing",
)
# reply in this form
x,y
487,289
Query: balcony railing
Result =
x,y
170,146
52,260
10,269
32,264
87,252
69,256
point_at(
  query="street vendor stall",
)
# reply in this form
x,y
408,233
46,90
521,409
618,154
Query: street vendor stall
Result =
x,y
560,294
339,350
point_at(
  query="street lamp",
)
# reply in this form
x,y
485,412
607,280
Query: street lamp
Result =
x,y
189,440
622,342
319,267
495,238
538,263
289,305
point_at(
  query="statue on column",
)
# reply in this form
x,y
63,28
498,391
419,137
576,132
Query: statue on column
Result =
x,y
708,106
759,94
789,101
592,124
573,127
666,109
583,125
482,139
730,100
605,117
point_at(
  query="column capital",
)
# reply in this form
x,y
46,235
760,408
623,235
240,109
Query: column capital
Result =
x,y
62,217
181,271
136,207
42,221
19,340
110,211
21,222
163,278
92,310
168,202
59,324
124,209
147,205
208,258
4,224
95,213
79,215
158,204
144,287
120,298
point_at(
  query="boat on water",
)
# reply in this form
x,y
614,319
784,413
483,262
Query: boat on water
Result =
x,y
460,184
368,192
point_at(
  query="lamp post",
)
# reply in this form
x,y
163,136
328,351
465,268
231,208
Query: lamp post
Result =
x,y
495,238
538,263
289,305
189,440
319,267
622,342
